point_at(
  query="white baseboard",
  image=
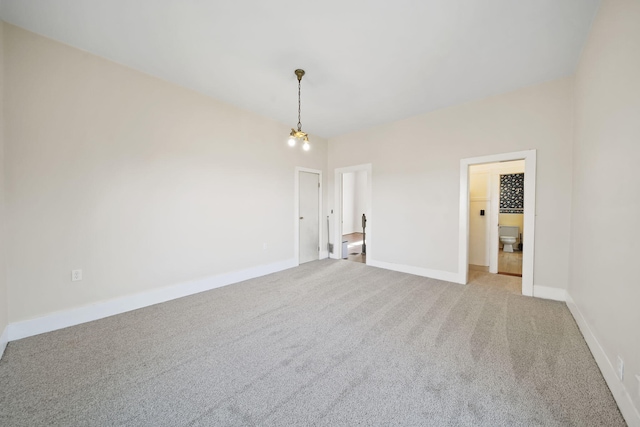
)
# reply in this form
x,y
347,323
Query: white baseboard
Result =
x,y
88,313
418,271
4,339
620,393
546,292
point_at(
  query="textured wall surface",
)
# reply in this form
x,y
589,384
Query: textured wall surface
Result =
x,y
512,193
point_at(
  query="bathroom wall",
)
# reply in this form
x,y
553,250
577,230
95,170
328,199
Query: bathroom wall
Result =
x,y
512,201
511,193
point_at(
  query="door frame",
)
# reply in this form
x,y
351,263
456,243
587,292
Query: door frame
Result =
x,y
296,210
528,235
337,229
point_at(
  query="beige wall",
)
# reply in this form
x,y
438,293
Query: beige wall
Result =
x,y
416,175
140,183
4,305
606,198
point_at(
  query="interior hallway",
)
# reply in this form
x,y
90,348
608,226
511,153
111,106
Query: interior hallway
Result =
x,y
354,247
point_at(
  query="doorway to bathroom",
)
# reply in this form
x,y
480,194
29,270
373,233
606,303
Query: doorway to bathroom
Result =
x,y
496,198
497,216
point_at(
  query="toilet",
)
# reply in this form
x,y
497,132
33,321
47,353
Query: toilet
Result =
x,y
508,237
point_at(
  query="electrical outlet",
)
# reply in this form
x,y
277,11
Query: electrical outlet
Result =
x,y
264,246
76,275
620,368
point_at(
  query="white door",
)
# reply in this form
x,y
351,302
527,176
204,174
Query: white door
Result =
x,y
309,219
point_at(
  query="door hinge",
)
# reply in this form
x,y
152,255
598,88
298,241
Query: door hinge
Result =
x,y
318,185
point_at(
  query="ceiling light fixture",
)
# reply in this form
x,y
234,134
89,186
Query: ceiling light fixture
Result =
x,y
296,135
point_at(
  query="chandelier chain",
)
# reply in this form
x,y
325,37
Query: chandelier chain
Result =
x,y
299,123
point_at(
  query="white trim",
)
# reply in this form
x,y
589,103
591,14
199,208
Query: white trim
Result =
x,y
515,166
547,292
494,223
529,156
337,208
296,209
88,313
4,339
620,393
463,223
417,271
528,233
324,254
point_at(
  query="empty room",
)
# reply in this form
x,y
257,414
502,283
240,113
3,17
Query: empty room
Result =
x,y
185,186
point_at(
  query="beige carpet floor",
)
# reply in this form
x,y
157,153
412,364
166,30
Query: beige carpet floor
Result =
x,y
332,343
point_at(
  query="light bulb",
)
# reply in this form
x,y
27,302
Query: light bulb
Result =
x,y
292,141
306,146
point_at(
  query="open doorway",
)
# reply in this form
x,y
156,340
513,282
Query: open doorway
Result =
x,y
354,219
494,236
353,213
496,199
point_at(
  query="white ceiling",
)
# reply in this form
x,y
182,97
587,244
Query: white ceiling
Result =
x,y
368,61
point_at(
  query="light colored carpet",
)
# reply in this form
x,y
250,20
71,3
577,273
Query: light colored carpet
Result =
x,y
328,343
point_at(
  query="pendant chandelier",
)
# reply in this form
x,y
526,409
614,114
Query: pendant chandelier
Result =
x,y
297,135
